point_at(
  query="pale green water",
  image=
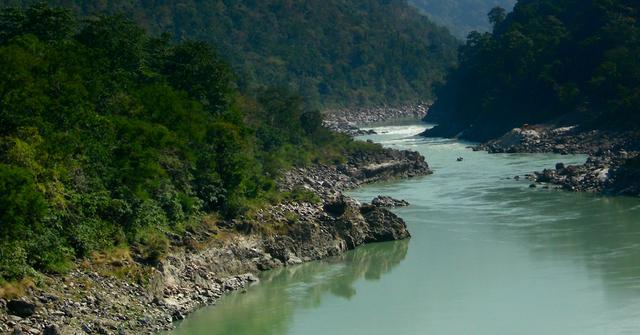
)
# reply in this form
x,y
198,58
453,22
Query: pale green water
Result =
x,y
488,256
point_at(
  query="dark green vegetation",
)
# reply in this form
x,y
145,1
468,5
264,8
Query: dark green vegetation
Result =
x,y
461,16
559,61
111,137
332,52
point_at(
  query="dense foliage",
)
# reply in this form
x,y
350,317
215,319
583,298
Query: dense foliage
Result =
x,y
111,137
332,52
461,16
557,61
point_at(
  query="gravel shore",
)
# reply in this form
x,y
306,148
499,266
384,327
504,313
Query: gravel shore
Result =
x,y
116,295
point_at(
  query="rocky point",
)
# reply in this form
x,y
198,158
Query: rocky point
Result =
x,y
121,296
612,166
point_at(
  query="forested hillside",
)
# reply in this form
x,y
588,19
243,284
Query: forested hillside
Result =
x,y
562,61
111,137
333,52
461,16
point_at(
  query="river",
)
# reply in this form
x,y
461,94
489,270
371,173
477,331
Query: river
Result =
x,y
489,256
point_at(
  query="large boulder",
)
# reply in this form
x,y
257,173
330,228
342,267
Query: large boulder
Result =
x,y
336,207
386,201
383,225
21,308
51,329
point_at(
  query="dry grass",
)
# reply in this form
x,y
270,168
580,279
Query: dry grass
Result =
x,y
117,257
117,263
13,290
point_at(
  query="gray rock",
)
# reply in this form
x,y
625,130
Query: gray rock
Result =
x,y
348,117
337,207
87,328
383,225
51,329
386,201
21,308
177,316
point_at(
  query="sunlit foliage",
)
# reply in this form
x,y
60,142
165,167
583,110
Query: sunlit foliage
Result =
x,y
111,137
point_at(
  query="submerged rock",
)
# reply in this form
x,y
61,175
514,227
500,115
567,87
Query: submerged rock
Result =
x,y
386,201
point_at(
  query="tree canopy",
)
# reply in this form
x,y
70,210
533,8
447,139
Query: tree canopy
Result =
x,y
110,136
549,61
332,52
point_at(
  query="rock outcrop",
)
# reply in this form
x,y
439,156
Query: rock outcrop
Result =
x,y
346,120
347,128
364,115
612,166
614,173
386,201
360,168
204,265
561,140
21,308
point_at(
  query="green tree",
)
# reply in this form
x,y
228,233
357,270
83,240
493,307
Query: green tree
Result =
x,y
497,15
534,68
109,136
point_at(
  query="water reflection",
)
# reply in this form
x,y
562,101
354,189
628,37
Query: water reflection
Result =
x,y
267,308
489,256
602,234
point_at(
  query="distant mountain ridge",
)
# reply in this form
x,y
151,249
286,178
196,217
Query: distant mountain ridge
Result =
x,y
461,16
333,52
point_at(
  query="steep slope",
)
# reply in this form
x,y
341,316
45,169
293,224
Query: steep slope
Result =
x,y
334,52
110,138
461,16
566,62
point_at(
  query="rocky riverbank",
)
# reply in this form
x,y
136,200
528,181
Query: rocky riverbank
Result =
x,y
613,165
113,294
607,172
346,120
360,168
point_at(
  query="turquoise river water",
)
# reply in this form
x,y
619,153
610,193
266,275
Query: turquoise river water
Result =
x,y
488,256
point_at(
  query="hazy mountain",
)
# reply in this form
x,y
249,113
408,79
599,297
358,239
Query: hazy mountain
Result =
x,y
333,52
461,16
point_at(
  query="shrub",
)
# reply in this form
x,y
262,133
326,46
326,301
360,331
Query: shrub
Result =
x,y
151,245
150,214
301,194
13,262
